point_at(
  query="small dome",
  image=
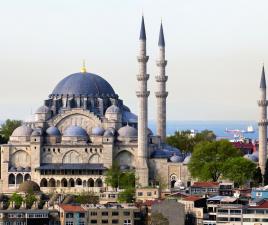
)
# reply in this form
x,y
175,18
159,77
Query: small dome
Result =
x,y
159,154
75,131
29,186
187,159
113,109
176,158
27,169
12,169
108,133
98,131
53,131
22,131
256,154
43,109
20,169
128,132
36,133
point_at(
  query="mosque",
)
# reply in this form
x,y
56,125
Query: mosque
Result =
x,y
83,127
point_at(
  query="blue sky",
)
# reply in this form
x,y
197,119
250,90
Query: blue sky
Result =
x,y
215,50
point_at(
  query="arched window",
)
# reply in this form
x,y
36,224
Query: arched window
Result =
x,y
72,157
52,182
11,179
125,158
19,178
90,182
20,158
71,182
78,182
64,182
95,158
27,177
43,183
98,183
84,183
58,183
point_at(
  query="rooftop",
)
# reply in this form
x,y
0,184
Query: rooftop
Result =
x,y
192,198
205,184
72,208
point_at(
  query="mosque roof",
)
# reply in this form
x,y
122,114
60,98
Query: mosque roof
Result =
x,y
53,131
85,84
22,131
128,131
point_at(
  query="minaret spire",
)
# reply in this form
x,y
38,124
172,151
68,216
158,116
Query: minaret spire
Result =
x,y
161,93
142,95
263,124
84,69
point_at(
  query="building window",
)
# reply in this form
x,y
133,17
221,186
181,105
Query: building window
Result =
x,y
246,219
81,223
235,219
81,215
149,193
127,222
115,221
140,194
104,213
69,215
115,213
93,213
104,221
93,221
69,223
126,213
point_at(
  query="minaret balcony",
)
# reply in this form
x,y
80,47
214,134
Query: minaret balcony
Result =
x,y
161,78
161,63
142,58
262,102
143,77
142,94
160,94
263,122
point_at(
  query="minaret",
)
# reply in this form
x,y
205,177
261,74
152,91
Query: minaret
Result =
x,y
161,93
142,94
263,124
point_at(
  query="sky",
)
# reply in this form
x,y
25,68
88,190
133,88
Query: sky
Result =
x,y
215,50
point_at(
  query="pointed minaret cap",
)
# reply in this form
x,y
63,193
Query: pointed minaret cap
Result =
x,y
142,32
161,41
263,80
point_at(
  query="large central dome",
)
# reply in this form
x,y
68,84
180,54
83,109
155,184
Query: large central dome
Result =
x,y
83,84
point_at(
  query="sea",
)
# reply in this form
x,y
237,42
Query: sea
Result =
x,y
218,127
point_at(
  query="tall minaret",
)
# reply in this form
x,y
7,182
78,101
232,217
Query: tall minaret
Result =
x,y
263,124
142,94
161,93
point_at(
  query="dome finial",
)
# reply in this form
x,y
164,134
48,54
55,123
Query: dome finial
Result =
x,y
84,69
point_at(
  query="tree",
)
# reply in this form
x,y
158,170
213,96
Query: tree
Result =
x,y
257,177
158,219
87,198
29,200
265,177
17,199
117,178
112,175
239,170
127,196
208,158
184,141
7,129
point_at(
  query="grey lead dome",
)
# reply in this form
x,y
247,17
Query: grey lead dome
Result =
x,y
85,84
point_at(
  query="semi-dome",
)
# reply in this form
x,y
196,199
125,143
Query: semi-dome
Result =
x,y
29,186
87,84
113,109
128,132
108,133
187,159
53,131
75,131
98,131
22,131
42,109
176,158
36,133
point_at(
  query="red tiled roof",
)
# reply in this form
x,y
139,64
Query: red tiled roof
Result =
x,y
205,184
192,198
151,202
243,145
72,208
263,205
